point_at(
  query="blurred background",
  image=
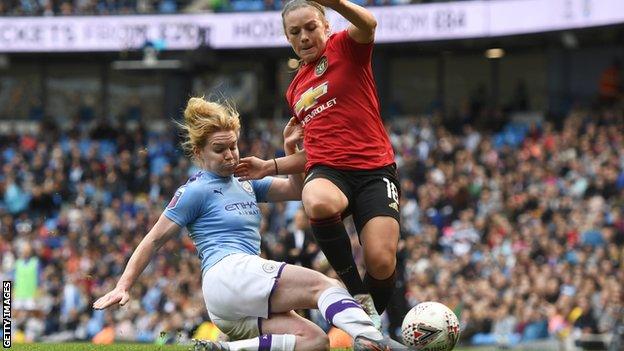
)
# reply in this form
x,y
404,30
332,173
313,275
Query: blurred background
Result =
x,y
506,117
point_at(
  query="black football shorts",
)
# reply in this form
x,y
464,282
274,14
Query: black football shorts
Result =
x,y
371,193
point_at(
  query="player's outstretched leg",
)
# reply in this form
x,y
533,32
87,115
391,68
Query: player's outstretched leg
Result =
x,y
300,288
272,342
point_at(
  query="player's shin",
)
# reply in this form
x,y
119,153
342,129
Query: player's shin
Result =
x,y
333,239
341,310
380,290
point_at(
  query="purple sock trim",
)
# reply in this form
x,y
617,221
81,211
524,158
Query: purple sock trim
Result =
x,y
265,342
338,307
279,273
259,325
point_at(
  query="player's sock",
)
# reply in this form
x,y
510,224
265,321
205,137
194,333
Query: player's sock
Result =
x,y
341,310
380,290
333,239
266,342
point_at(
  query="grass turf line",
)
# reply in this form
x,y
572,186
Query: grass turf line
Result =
x,y
136,347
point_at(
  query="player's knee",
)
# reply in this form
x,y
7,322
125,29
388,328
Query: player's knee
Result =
x,y
380,260
327,283
334,283
381,266
319,209
321,283
322,205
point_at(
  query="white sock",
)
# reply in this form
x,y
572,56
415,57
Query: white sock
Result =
x,y
267,342
283,342
341,310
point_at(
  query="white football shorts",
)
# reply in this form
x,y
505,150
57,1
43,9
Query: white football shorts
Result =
x,y
237,290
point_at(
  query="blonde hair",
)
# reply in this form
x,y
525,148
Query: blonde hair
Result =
x,y
201,118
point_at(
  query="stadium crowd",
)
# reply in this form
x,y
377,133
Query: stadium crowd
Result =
x,y
124,7
519,230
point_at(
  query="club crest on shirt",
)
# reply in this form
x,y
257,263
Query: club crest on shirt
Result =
x,y
248,188
176,197
321,67
269,267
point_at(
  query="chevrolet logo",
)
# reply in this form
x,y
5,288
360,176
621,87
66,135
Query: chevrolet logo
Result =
x,y
310,98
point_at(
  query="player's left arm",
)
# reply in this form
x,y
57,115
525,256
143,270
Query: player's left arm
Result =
x,y
163,230
288,189
254,168
363,23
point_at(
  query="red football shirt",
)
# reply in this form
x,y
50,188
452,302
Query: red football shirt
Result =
x,y
336,100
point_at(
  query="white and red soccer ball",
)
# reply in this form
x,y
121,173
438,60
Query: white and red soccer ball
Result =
x,y
430,326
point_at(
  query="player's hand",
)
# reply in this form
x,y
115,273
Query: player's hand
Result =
x,y
252,168
293,133
115,296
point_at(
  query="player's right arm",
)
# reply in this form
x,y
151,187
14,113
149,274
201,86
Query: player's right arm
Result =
x,y
288,189
162,231
362,22
250,168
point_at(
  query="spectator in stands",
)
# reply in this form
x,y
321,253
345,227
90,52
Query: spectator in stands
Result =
x,y
299,243
531,211
26,276
610,84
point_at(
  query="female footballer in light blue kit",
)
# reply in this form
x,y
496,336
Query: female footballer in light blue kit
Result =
x,y
249,298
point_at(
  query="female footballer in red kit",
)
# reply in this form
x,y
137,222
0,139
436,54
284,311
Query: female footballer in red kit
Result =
x,y
348,158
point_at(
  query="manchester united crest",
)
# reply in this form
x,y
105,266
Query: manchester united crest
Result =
x,y
321,66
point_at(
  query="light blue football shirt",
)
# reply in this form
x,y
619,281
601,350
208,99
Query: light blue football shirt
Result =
x,y
220,213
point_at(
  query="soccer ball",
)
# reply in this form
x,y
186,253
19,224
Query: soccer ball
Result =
x,y
430,326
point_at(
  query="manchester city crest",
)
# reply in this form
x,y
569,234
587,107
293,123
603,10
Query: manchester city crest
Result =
x,y
269,267
248,188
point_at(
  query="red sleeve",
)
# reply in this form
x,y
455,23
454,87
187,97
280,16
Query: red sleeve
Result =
x,y
357,52
289,96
